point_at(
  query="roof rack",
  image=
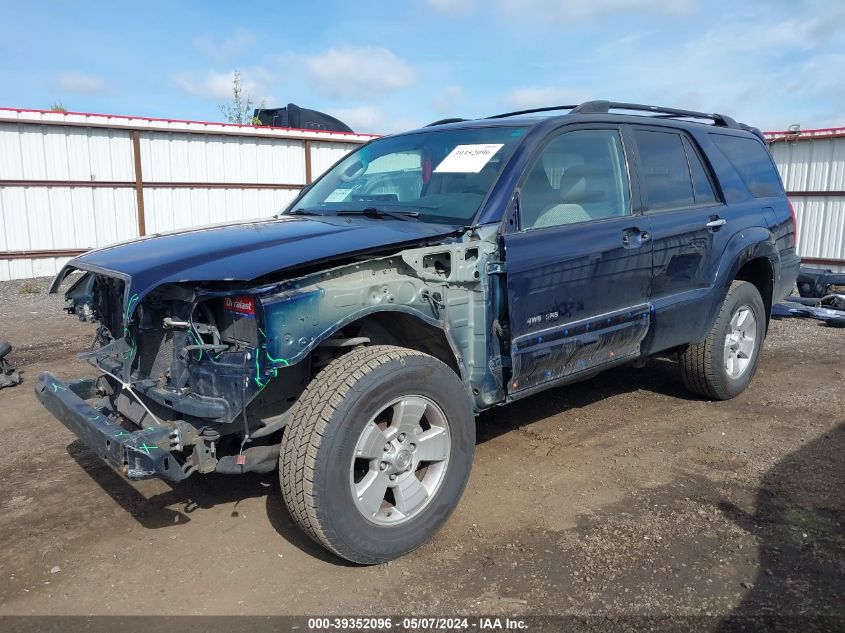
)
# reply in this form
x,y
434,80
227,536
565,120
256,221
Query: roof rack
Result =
x,y
604,107
445,121
531,111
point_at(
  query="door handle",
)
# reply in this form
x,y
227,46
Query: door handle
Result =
x,y
634,237
715,223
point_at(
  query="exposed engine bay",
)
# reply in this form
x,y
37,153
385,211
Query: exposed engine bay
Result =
x,y
209,371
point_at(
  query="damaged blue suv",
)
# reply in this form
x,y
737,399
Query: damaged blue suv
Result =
x,y
427,276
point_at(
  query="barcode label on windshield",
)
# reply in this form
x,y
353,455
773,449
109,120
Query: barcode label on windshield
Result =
x,y
468,159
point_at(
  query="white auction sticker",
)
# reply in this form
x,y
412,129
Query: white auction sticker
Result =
x,y
468,159
338,195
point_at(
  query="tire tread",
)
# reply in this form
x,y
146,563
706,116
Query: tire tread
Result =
x,y
699,371
311,416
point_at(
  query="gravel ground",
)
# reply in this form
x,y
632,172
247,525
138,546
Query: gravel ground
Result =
x,y
32,320
620,496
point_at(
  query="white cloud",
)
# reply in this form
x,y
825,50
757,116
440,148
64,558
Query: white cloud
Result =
x,y
742,39
360,118
218,86
449,100
371,119
542,96
225,48
452,7
359,71
81,83
766,70
565,10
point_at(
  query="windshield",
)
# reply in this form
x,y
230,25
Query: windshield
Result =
x,y
435,176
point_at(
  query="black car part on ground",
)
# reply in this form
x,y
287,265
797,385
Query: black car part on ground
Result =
x,y
830,309
9,376
300,118
817,282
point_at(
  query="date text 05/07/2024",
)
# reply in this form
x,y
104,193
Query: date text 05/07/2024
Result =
x,y
417,624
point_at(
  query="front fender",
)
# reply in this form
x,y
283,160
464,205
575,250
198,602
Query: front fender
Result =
x,y
298,315
294,348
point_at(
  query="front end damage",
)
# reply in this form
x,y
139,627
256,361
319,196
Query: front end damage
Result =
x,y
178,366
201,377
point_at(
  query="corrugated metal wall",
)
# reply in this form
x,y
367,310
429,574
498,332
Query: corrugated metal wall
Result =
x,y
812,166
68,182
35,218
170,157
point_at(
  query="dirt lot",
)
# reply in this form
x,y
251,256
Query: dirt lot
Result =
x,y
621,495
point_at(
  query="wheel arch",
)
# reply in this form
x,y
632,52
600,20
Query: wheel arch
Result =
x,y
403,329
760,271
750,255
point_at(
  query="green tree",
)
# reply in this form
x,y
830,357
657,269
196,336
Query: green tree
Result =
x,y
239,109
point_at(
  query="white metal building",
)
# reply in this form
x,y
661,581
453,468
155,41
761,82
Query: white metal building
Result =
x,y
73,181
812,166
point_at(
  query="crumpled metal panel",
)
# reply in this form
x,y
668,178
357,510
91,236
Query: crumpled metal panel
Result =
x,y
584,346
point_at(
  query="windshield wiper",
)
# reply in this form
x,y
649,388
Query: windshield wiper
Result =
x,y
302,211
373,212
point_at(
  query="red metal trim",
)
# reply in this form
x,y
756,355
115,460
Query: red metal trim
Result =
x,y
821,261
42,254
186,121
139,182
198,131
815,194
308,178
94,184
220,185
795,138
810,131
120,184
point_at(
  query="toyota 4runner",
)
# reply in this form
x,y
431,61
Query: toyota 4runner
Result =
x,y
350,340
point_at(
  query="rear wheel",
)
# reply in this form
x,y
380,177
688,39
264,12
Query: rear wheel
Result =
x,y
377,452
723,365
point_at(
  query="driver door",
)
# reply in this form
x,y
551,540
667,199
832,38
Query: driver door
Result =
x,y
578,264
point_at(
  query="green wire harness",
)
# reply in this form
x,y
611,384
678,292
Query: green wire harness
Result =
x,y
274,371
126,333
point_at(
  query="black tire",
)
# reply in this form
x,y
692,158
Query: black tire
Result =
x,y
703,365
320,439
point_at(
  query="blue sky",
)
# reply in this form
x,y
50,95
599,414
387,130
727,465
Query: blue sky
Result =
x,y
387,66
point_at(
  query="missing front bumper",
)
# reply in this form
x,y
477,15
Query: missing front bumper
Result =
x,y
142,454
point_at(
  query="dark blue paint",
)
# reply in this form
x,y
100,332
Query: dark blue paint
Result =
x,y
684,271
247,251
577,278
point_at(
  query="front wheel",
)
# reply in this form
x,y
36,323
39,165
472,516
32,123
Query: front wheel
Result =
x,y
377,452
722,366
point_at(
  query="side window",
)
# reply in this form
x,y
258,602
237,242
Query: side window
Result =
x,y
752,162
580,176
665,170
701,183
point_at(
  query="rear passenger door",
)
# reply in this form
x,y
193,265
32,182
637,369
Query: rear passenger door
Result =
x,y
688,222
578,264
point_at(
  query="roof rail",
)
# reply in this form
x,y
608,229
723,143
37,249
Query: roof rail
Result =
x,y
445,121
603,107
531,111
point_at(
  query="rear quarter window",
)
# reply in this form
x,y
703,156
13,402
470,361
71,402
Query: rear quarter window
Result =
x,y
752,162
